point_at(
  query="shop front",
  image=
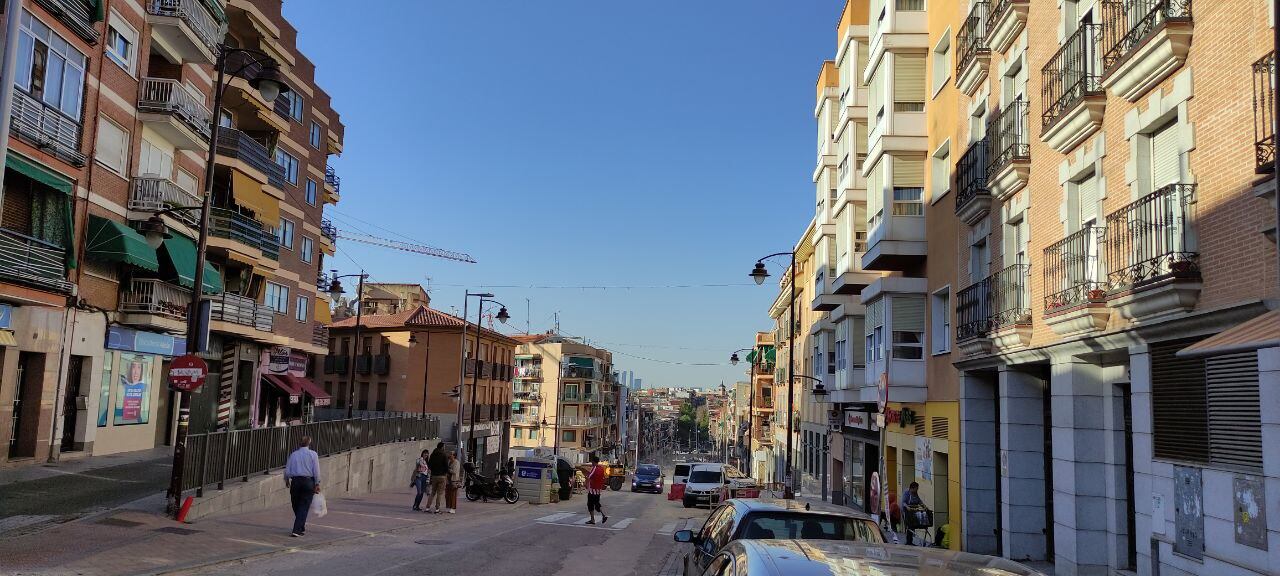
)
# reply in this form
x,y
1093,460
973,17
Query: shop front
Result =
x,y
918,448
485,443
135,410
859,470
286,396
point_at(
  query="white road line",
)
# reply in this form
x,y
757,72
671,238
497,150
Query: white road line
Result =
x,y
372,515
256,543
365,532
623,523
556,517
584,520
668,528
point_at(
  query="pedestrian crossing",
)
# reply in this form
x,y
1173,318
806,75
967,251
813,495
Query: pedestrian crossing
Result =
x,y
579,520
677,525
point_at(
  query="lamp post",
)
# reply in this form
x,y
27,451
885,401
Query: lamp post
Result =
x,y
759,274
751,406
820,392
269,84
335,290
462,377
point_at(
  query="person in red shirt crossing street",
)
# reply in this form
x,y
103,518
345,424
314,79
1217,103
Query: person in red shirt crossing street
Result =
x,y
595,486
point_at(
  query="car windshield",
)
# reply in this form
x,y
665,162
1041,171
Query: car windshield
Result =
x,y
649,470
704,476
682,469
769,526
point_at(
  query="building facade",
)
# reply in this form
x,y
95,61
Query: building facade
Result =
x,y
118,130
566,401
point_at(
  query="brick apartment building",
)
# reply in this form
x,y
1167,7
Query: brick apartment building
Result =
x,y
91,313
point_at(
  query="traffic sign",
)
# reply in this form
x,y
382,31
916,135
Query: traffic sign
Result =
x,y
187,373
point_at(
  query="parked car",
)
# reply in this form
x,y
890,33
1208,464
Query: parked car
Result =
x,y
827,557
708,482
681,474
771,518
647,478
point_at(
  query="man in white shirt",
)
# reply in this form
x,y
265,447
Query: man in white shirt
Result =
x,y
302,477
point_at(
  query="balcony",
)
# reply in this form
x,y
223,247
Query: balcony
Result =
x,y
896,242
156,193
1153,269
246,234
1071,90
526,419
528,372
184,31
1074,283
337,364
155,303
995,312
973,55
33,262
902,25
1007,19
1146,41
364,364
1008,150
78,15
46,128
319,335
824,299
1264,106
250,154
235,311
579,373
328,230
332,183
169,108
973,197
579,421
382,364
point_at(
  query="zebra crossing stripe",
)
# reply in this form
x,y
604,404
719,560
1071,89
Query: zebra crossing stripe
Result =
x,y
623,523
583,520
556,517
668,528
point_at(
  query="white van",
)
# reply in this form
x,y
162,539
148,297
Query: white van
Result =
x,y
704,484
681,474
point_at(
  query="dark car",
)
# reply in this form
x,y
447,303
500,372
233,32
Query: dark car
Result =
x,y
824,558
648,478
770,519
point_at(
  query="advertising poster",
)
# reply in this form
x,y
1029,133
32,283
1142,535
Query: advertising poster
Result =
x,y
104,398
924,458
133,391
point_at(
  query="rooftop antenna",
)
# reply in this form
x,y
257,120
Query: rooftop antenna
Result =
x,y
527,315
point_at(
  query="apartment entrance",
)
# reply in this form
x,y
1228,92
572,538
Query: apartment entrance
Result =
x,y
26,405
71,405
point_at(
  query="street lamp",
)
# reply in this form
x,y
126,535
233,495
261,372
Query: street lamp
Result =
x,y
268,82
751,406
503,317
759,274
335,290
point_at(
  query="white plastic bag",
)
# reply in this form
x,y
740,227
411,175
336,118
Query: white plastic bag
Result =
x,y
318,506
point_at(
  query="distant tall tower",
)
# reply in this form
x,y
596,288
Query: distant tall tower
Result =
x,y
636,385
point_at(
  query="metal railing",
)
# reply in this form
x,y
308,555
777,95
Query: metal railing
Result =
x,y
319,335
206,27
1011,296
224,223
1264,119
1072,74
972,37
525,419
328,230
33,262
168,96
151,296
1147,240
216,457
581,372
1073,269
1127,24
580,421
78,15
1002,7
47,128
336,364
242,310
971,175
236,144
973,310
155,193
1007,136
331,178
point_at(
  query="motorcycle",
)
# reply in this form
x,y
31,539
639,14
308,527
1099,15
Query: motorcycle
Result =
x,y
479,486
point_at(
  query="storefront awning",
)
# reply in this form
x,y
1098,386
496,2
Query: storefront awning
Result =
x,y
7,338
280,382
181,253
317,394
248,193
1261,332
113,241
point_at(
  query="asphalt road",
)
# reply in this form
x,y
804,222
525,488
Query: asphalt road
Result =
x,y
497,538
66,493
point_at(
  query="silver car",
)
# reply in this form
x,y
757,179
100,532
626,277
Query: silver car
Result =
x,y
845,558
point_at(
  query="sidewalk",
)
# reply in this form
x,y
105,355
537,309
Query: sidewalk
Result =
x,y
129,541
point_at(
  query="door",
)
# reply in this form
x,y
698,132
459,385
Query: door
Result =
x,y
1131,538
26,405
244,393
70,404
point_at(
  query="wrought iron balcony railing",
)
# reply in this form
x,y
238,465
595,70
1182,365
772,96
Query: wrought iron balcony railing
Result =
x,y
33,262
319,334
997,301
1073,269
1007,136
168,96
973,310
328,230
971,175
331,178
1148,240
47,128
1127,24
150,296
972,38
155,193
1264,119
1072,74
206,27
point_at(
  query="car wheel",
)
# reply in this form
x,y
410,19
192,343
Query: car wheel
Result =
x,y
687,503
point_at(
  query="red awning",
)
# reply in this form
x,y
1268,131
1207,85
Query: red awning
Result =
x,y
320,397
280,382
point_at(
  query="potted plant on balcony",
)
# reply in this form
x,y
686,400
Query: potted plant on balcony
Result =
x,y
1097,295
1182,267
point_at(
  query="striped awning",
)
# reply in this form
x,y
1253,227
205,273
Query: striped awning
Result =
x,y
1261,332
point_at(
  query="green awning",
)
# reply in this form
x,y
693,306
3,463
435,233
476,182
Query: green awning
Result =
x,y
181,252
215,7
39,173
113,241
99,10
582,362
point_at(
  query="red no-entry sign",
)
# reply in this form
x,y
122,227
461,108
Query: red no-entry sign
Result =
x,y
187,373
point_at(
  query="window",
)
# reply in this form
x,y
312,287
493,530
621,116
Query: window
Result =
x,y
942,62
909,5
308,246
314,137
226,119
285,233
121,39
277,298
363,404
517,433
842,346
1166,166
875,196
300,310
978,123
311,192
979,260
1013,85
113,146
381,403
49,69
290,165
908,327
187,181
908,187
832,349
940,172
875,331
908,83
294,100
569,435
154,160
940,321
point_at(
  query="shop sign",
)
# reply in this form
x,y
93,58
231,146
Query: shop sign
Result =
x,y
285,360
128,339
833,420
482,429
903,418
859,420
6,316
187,373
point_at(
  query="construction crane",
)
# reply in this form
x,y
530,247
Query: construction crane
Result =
x,y
405,246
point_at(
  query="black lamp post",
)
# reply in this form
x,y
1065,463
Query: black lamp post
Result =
x,y
335,290
503,317
820,393
751,406
269,84
759,274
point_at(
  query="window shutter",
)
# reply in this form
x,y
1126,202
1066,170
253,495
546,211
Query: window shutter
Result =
x,y
875,316
1165,162
908,78
860,139
908,314
1087,196
863,49
1235,412
908,173
875,189
1179,411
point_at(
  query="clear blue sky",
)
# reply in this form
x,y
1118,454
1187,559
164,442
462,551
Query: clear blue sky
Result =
x,y
580,142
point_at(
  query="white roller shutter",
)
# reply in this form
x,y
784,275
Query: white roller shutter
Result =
x,y
908,314
908,79
1087,199
1165,160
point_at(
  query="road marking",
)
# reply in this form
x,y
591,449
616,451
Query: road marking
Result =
x,y
94,476
365,532
372,515
623,523
584,520
668,528
255,543
556,517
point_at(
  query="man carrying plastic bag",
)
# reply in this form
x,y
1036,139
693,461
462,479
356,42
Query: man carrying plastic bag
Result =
x,y
302,477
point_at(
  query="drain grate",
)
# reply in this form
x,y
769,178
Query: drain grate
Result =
x,y
119,522
177,530
433,542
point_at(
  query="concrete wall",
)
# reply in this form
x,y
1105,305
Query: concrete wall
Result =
x,y
361,471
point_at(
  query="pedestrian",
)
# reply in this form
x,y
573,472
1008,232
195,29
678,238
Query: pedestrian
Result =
x,y
911,504
438,467
454,483
595,486
421,479
302,478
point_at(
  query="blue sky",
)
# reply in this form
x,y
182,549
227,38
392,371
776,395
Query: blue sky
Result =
x,y
581,143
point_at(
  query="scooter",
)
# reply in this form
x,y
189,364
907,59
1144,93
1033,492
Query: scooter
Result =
x,y
479,486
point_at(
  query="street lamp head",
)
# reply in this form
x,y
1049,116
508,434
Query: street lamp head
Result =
x,y
733,359
503,316
819,390
155,231
269,82
335,289
759,273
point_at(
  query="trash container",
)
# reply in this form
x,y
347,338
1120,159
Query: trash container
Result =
x,y
533,479
564,472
